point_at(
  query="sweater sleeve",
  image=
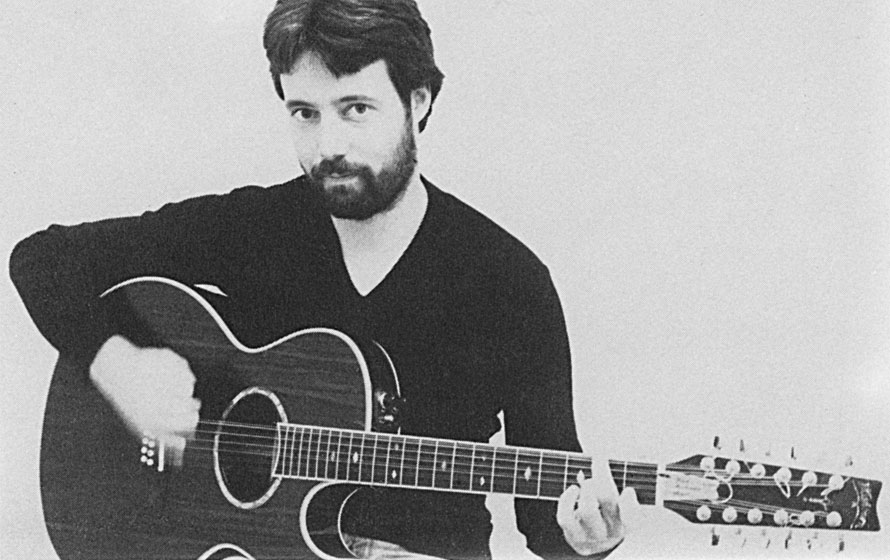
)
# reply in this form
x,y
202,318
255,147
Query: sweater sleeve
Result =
x,y
538,411
61,272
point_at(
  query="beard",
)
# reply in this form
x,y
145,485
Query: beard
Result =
x,y
366,193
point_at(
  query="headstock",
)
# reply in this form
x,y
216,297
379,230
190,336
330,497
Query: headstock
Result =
x,y
719,490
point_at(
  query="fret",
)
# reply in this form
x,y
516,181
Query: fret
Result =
x,y
390,476
402,463
292,449
504,471
444,454
554,467
287,449
641,476
339,454
528,463
318,453
426,469
453,457
301,455
376,474
365,472
410,461
482,468
462,467
393,473
280,467
310,454
578,464
353,461
328,457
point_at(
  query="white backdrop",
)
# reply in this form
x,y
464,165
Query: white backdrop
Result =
x,y
708,182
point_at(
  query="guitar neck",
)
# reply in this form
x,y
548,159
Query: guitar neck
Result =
x,y
317,453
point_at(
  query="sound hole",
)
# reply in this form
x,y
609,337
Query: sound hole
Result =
x,y
246,449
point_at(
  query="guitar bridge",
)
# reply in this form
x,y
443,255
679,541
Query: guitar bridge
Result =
x,y
151,454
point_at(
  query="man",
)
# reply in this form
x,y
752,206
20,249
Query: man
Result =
x,y
362,243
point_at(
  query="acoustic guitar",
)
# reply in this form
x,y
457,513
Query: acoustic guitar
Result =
x,y
292,431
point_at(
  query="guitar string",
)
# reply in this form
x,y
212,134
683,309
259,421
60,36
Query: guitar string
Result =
x,y
553,457
548,479
465,450
313,455
461,468
319,462
407,438
676,504
427,469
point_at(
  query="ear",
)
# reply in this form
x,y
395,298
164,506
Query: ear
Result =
x,y
420,104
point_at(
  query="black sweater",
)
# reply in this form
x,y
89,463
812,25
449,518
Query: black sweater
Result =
x,y
468,314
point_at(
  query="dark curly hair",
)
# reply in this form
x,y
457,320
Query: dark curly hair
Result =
x,y
350,34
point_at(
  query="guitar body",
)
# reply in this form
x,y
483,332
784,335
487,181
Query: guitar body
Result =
x,y
293,434
105,493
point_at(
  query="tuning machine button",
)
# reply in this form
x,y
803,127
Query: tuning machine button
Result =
x,y
703,513
758,471
707,464
809,478
807,518
730,515
780,517
783,475
834,520
836,482
733,468
755,516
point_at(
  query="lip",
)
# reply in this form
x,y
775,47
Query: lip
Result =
x,y
340,180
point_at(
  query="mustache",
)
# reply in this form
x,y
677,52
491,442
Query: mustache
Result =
x,y
335,166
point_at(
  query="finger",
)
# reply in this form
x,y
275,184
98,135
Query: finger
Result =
x,y
611,517
566,517
629,508
589,512
565,509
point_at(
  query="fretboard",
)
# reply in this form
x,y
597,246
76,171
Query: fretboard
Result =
x,y
329,454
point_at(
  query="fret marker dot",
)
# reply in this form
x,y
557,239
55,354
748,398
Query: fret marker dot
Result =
x,y
333,456
444,465
355,457
528,473
481,481
394,474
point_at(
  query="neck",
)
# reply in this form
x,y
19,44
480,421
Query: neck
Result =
x,y
384,230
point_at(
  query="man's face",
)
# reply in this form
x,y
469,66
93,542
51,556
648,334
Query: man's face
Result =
x,y
354,137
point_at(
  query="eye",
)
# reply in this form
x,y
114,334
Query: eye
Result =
x,y
304,114
358,110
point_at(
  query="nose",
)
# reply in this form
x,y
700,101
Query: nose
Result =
x,y
332,138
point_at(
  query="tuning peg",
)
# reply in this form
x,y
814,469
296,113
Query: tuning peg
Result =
x,y
848,462
741,446
840,543
715,537
717,445
793,454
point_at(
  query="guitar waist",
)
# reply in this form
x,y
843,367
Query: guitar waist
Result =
x,y
448,525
